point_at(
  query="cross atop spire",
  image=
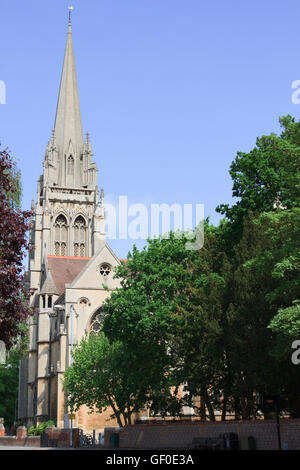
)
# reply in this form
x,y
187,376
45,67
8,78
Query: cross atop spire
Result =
x,y
70,11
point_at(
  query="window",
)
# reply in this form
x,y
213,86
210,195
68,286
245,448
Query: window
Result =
x,y
61,236
80,236
96,323
63,249
105,269
49,301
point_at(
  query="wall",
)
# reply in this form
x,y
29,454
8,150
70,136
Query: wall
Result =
x,y
180,435
21,439
94,421
31,441
62,436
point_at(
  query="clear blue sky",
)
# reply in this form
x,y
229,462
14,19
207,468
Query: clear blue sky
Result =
x,y
169,90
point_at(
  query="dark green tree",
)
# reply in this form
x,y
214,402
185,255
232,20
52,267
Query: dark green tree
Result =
x,y
265,178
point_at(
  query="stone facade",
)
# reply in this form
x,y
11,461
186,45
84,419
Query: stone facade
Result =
x,y
70,265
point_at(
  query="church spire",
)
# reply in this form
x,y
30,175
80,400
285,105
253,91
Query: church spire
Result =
x,y
68,127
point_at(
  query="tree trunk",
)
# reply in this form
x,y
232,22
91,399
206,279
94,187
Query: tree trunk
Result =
x,y
117,413
237,412
202,406
244,407
224,407
210,408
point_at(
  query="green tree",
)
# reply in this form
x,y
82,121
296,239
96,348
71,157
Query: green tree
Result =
x,y
262,237
266,176
279,265
106,374
198,325
9,377
246,277
218,320
140,313
152,281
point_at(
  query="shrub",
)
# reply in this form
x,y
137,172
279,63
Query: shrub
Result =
x,y
31,431
37,431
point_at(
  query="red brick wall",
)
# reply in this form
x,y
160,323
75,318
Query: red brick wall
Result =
x,y
179,435
30,441
98,421
63,436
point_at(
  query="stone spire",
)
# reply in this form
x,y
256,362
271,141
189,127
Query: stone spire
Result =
x,y
68,127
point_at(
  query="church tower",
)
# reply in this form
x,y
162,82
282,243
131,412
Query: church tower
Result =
x,y
70,264
69,214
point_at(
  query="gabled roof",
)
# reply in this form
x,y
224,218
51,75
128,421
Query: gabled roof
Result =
x,y
86,278
64,269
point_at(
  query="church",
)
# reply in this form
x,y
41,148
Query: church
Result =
x,y
71,265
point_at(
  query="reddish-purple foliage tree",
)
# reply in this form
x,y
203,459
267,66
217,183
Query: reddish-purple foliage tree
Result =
x,y
14,224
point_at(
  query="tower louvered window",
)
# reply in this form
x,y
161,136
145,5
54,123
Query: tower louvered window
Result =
x,y
80,230
61,236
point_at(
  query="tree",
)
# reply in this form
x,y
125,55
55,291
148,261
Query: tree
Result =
x,y
198,326
139,314
266,177
218,320
109,375
248,315
262,233
151,282
9,379
279,265
14,224
92,379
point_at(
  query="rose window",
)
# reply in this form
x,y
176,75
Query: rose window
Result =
x,y
105,269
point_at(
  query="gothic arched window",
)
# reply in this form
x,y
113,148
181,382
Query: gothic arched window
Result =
x,y
80,229
96,322
61,235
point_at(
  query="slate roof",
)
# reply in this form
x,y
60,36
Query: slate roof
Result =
x,y
64,269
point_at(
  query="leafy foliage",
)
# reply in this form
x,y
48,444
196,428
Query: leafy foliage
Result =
x,y
220,320
107,374
13,227
266,177
40,429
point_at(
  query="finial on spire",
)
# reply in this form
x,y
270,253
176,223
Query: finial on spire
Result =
x,y
70,8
